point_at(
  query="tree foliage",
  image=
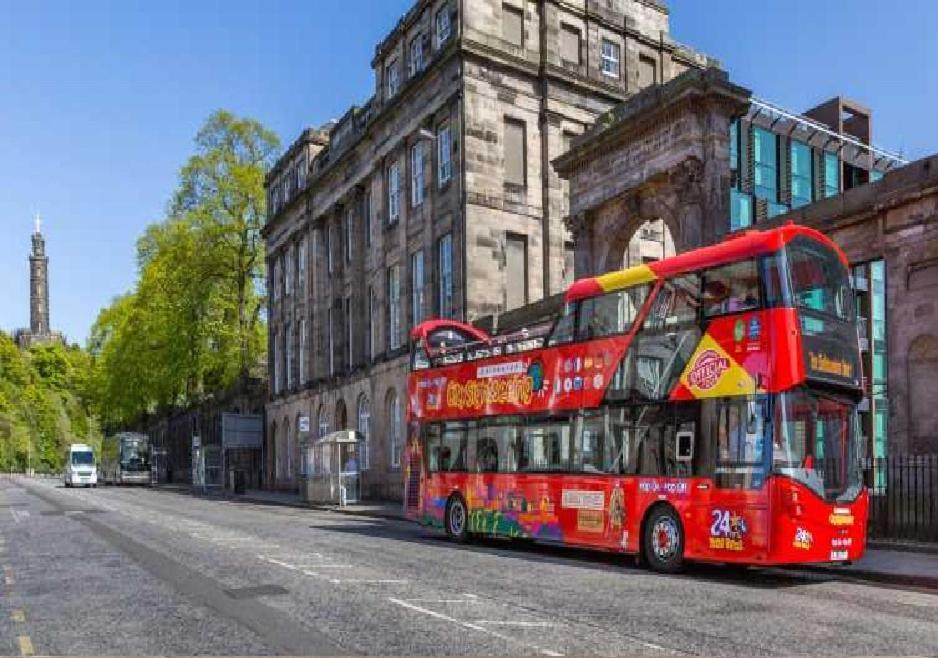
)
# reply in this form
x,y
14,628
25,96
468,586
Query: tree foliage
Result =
x,y
193,322
44,404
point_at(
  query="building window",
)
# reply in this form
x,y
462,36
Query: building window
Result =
x,y
394,307
393,77
301,267
331,335
513,25
349,352
278,370
831,175
444,26
802,179
609,58
364,430
734,152
288,337
445,276
395,428
516,271
349,219
647,71
416,286
274,279
515,152
303,351
366,213
323,423
569,264
372,326
327,243
301,169
765,145
416,174
416,55
570,44
289,260
444,143
394,192
740,210
875,175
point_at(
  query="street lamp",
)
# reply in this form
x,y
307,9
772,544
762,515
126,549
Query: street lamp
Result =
x,y
425,133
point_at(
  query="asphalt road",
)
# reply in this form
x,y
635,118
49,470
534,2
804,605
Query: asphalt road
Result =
x,y
146,571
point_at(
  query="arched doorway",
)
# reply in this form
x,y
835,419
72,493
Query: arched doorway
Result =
x,y
272,457
363,425
923,395
341,416
395,428
286,451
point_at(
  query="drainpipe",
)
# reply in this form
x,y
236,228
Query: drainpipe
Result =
x,y
545,154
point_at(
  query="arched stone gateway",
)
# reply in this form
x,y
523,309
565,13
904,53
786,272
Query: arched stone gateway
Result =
x,y
659,156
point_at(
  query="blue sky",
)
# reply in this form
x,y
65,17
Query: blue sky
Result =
x,y
99,101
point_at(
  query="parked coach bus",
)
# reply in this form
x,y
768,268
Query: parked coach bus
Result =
x,y
125,458
700,407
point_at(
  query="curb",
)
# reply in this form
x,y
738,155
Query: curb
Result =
x,y
905,547
904,580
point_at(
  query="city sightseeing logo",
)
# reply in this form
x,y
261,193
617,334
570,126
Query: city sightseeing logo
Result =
x,y
708,368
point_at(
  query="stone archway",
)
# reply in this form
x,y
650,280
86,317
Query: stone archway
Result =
x,y
923,395
661,155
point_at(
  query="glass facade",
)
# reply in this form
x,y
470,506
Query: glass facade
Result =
x,y
870,285
765,148
802,187
831,175
740,210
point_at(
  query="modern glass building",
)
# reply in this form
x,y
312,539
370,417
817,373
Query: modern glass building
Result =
x,y
781,162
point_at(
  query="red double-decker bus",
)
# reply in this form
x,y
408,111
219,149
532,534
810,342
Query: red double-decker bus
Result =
x,y
701,407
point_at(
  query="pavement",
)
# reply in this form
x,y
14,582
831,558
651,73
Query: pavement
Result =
x,y
138,571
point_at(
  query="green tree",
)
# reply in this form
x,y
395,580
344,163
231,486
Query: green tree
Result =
x,y
192,324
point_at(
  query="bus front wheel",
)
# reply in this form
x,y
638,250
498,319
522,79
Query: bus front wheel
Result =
x,y
664,540
457,519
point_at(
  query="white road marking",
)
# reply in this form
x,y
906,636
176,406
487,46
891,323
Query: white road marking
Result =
x,y
523,624
356,581
471,626
440,601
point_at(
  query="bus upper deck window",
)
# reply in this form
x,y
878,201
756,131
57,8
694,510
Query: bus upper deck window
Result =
x,y
563,330
731,288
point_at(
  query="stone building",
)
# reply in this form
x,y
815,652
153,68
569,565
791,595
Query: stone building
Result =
x,y
706,158
437,197
40,330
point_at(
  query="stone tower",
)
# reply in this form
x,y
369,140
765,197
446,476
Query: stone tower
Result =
x,y
39,330
38,285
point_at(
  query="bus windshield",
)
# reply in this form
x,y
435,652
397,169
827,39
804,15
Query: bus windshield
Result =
x,y
134,456
83,458
816,443
819,281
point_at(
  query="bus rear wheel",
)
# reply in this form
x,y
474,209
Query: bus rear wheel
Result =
x,y
457,519
664,540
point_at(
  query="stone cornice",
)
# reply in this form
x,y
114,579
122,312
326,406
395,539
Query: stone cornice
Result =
x,y
643,109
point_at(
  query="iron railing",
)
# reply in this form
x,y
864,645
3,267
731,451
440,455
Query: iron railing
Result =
x,y
903,497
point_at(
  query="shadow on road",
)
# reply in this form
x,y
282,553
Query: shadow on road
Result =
x,y
544,552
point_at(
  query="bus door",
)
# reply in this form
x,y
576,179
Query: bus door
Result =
x,y
687,457
739,520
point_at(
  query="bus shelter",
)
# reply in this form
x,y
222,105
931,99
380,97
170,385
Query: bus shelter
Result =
x,y
332,469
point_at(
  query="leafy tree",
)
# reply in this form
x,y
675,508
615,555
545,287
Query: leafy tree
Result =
x,y
192,325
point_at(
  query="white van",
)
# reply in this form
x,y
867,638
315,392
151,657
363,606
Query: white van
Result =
x,y
80,467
